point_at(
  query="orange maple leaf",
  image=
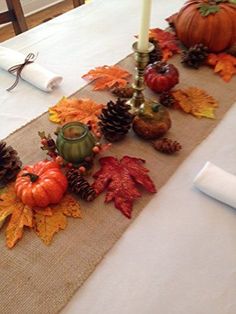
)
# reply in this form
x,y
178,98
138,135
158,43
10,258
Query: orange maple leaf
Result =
x,y
72,109
196,102
46,226
167,42
107,77
224,64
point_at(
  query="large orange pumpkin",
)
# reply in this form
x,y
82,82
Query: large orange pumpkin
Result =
x,y
41,184
211,22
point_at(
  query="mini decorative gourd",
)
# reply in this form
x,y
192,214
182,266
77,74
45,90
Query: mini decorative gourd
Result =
x,y
152,122
161,77
41,184
210,22
75,142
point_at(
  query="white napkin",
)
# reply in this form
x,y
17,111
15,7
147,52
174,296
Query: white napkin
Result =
x,y
217,183
32,73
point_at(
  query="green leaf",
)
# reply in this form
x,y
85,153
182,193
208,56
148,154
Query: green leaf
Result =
x,y
206,9
232,1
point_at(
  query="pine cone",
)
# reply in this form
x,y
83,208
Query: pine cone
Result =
x,y
195,56
167,100
10,163
123,92
80,186
166,146
156,54
115,120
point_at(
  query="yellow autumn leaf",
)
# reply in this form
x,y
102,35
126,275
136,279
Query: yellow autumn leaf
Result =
x,y
196,102
69,206
21,216
7,202
45,221
46,226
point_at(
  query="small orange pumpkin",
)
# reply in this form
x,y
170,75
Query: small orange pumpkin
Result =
x,y
210,22
41,184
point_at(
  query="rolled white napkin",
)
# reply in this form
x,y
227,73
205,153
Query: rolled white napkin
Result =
x,y
217,183
33,73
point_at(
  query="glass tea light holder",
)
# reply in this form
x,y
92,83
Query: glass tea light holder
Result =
x,y
75,142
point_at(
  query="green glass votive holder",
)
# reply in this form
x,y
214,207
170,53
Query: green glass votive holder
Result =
x,y
75,142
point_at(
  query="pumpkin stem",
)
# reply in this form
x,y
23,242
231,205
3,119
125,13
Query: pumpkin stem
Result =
x,y
33,177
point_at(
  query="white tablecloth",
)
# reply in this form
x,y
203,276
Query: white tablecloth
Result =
x,y
179,255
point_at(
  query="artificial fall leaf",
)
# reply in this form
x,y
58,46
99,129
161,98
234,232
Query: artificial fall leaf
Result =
x,y
46,226
21,217
46,221
107,77
196,102
43,211
224,64
72,109
69,207
7,202
120,178
167,42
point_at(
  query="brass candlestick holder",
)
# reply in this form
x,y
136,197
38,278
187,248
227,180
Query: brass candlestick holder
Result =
x,y
137,102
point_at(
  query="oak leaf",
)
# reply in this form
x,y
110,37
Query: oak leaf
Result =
x,y
196,102
224,64
107,77
46,226
167,41
119,178
72,109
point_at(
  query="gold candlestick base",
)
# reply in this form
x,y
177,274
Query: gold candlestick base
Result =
x,y
137,102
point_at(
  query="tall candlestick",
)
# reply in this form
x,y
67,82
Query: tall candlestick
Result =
x,y
144,28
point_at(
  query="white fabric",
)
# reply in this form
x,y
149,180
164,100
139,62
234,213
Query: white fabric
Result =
x,y
33,73
217,183
179,255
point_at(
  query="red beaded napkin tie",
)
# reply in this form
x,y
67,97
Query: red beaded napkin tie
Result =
x,y
17,69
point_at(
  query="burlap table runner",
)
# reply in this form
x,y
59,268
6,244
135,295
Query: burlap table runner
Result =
x,y
38,279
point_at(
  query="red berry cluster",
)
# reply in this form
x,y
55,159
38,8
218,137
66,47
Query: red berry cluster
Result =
x,y
48,144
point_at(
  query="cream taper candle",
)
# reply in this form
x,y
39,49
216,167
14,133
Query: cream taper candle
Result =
x,y
144,28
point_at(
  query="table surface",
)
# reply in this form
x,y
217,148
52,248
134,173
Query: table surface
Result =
x,y
179,255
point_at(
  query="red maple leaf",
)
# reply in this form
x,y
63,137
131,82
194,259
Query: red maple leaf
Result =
x,y
167,41
119,178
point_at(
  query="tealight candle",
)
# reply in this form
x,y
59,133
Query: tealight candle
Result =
x,y
144,28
